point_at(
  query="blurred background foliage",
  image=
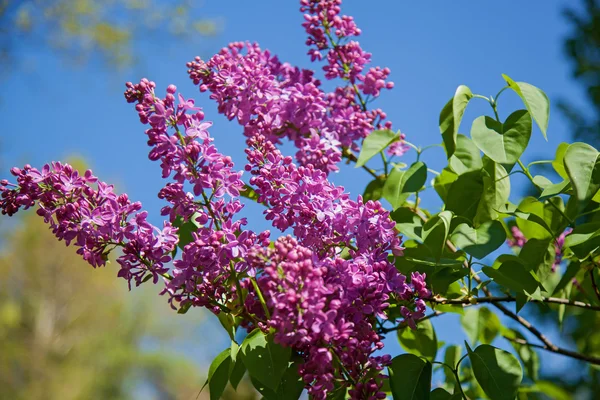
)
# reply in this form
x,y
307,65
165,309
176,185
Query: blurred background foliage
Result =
x,y
79,29
582,48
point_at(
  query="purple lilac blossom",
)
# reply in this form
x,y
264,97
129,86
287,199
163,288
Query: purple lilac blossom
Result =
x,y
322,305
276,100
87,213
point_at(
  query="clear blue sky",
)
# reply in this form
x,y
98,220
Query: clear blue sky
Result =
x,y
53,110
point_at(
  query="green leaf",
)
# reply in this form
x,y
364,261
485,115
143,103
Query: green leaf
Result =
x,y
582,165
249,193
420,342
535,100
374,143
400,184
552,390
374,190
497,371
558,163
466,157
495,193
407,222
570,273
531,219
555,189
435,232
541,181
184,308
513,275
584,239
185,229
237,369
527,354
218,374
465,194
228,324
480,325
410,377
481,241
443,182
503,142
451,116
442,278
292,384
451,357
265,360
441,394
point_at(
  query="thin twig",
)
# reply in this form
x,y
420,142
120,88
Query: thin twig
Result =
x,y
558,350
548,345
507,299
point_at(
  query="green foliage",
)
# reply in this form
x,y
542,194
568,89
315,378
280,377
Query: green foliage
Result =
x,y
503,142
535,100
410,377
265,360
474,223
69,335
420,342
479,242
480,324
375,143
400,184
497,371
452,115
81,29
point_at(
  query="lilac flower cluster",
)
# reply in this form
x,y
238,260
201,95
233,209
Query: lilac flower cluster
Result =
x,y
86,212
276,100
519,240
320,308
323,220
211,262
322,292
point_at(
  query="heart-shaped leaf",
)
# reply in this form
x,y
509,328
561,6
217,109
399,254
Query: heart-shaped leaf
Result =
x,y
400,184
407,222
496,190
421,341
535,100
513,275
374,143
374,190
582,164
435,232
503,143
451,116
481,241
218,374
497,371
480,324
266,361
443,182
410,377
466,157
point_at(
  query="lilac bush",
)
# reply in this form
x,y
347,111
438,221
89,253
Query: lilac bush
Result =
x,y
316,306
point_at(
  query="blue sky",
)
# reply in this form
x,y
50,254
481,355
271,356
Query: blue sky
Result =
x,y
53,110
